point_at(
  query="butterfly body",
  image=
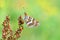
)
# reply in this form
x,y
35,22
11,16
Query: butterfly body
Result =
x,y
30,21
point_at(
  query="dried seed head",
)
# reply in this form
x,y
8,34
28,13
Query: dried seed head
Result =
x,y
10,38
6,30
20,17
7,18
20,21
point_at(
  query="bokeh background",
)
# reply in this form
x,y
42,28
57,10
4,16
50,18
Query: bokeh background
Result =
x,y
47,12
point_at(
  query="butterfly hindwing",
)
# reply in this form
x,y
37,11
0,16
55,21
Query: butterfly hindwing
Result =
x,y
31,22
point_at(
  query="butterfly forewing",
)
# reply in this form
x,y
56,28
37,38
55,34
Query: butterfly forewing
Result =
x,y
31,22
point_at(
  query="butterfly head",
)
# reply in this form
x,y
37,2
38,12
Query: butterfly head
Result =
x,y
25,14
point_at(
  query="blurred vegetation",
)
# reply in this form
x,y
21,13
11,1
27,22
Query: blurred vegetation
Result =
x,y
46,11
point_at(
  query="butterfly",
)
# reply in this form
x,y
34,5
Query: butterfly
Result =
x,y
30,21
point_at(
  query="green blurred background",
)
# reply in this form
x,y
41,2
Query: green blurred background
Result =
x,y
47,12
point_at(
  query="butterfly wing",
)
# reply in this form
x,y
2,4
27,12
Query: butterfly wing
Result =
x,y
31,22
